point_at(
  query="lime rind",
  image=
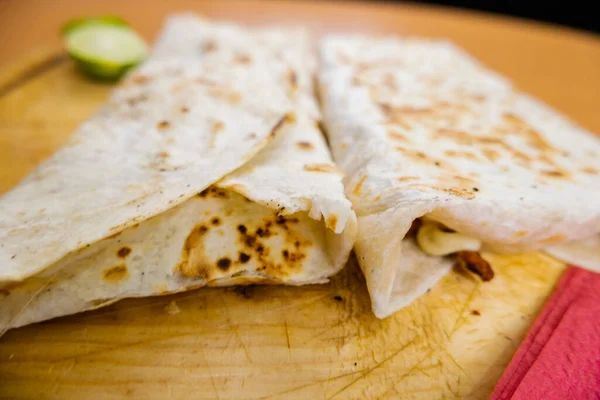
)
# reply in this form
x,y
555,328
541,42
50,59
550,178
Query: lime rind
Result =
x,y
105,51
105,20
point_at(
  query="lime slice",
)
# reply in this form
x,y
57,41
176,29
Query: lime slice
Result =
x,y
105,51
106,20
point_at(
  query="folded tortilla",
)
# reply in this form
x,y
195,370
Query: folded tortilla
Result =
x,y
205,167
422,130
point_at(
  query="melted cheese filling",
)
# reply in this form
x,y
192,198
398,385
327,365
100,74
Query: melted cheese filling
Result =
x,y
435,241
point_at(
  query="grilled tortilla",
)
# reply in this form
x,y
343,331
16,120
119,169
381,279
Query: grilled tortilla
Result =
x,y
422,130
205,167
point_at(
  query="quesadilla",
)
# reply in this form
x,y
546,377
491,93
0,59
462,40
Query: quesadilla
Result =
x,y
444,158
205,168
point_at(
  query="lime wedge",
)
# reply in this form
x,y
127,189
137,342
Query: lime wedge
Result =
x,y
106,20
105,51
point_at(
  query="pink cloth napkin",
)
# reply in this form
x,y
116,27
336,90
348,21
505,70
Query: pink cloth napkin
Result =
x,y
560,357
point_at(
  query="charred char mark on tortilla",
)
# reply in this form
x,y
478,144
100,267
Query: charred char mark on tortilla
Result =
x,y
123,252
473,261
256,245
213,192
224,263
243,257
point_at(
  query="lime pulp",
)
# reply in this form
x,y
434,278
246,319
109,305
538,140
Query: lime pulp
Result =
x,y
105,51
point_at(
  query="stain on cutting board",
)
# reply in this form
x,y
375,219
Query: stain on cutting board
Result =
x,y
258,342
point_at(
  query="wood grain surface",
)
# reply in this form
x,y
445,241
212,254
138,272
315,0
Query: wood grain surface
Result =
x,y
317,342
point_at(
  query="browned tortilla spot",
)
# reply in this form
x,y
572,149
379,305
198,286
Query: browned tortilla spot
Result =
x,y
407,178
193,260
123,252
394,112
390,82
461,154
534,138
460,192
590,170
132,101
465,138
242,59
331,222
397,136
491,155
357,189
292,78
419,156
356,81
304,145
116,274
463,179
321,167
163,155
215,221
557,238
204,81
184,109
520,234
278,126
554,174
217,126
163,125
401,122
455,191
208,46
223,94
290,117
141,79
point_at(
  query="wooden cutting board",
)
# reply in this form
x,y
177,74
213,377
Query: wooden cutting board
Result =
x,y
319,341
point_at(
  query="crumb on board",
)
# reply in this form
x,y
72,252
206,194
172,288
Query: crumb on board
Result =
x,y
172,308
